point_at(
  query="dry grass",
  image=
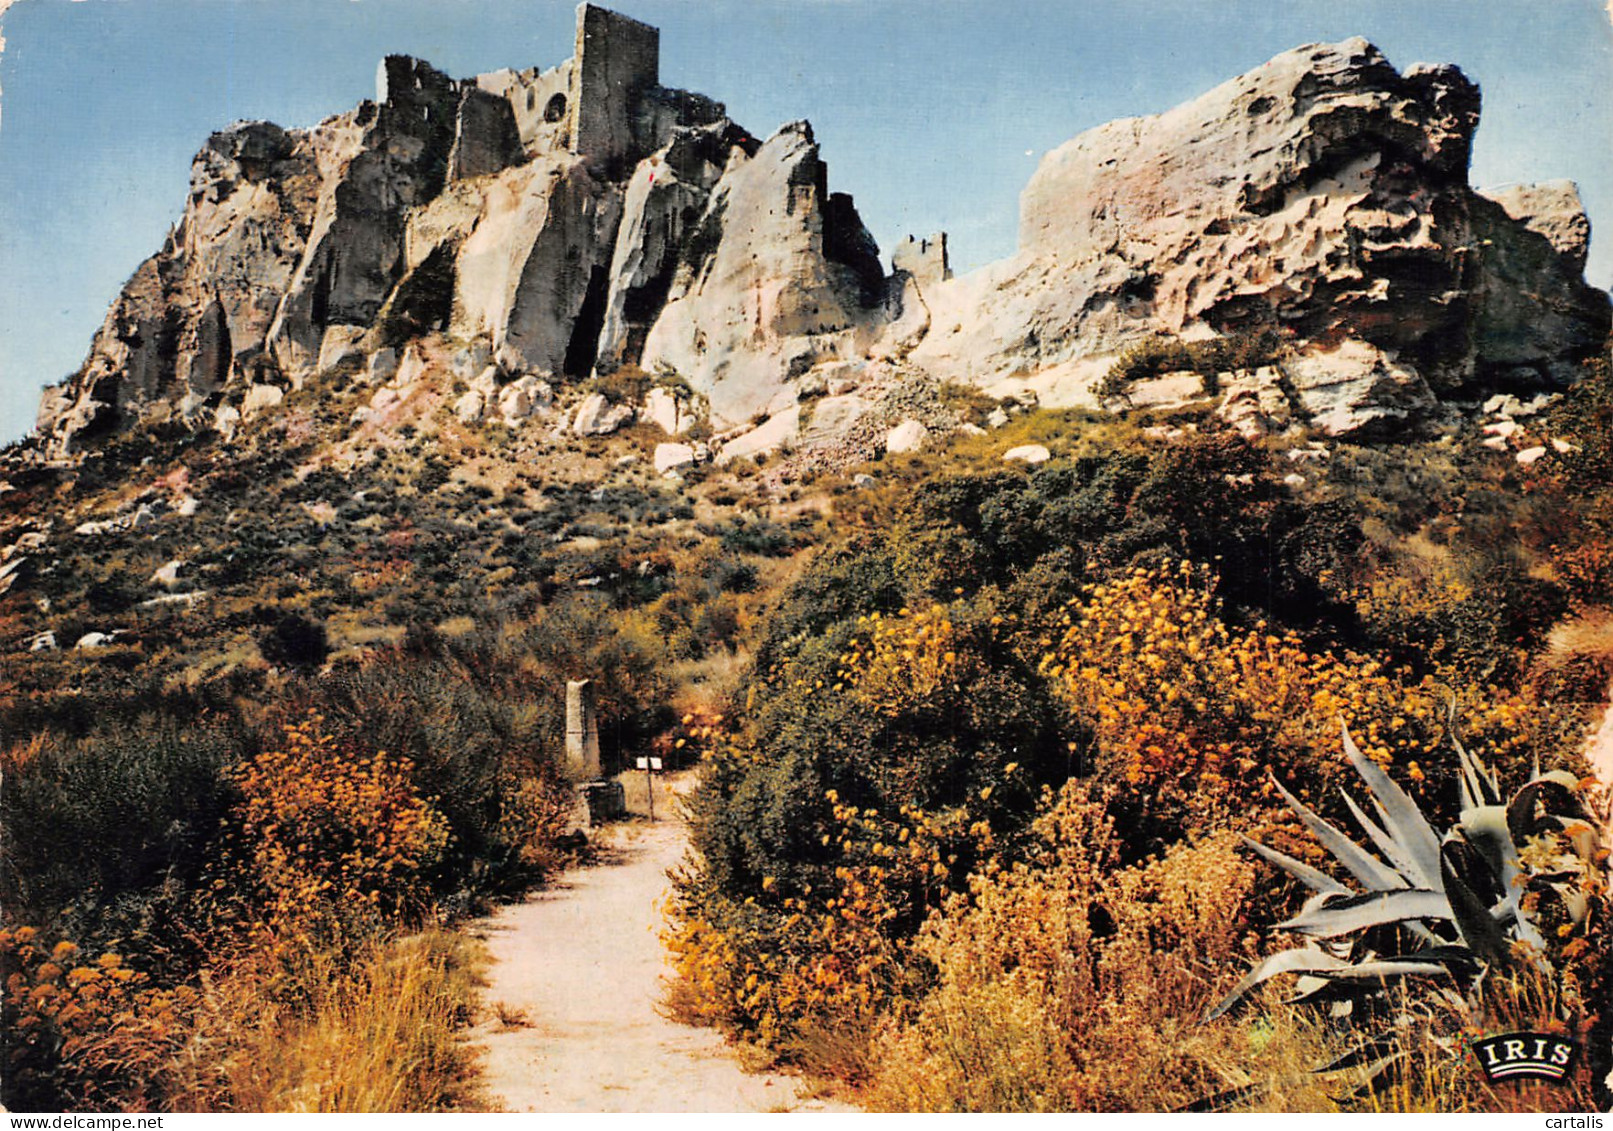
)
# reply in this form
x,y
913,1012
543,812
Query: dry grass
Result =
x,y
510,1017
1590,634
386,1038
706,686
1068,985
1071,984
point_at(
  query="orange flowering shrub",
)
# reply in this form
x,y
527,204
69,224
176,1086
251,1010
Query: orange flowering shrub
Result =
x,y
924,709
1191,714
1585,568
883,778
330,832
81,1033
806,950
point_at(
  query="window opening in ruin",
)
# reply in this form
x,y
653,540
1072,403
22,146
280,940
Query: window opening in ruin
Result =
x,y
555,108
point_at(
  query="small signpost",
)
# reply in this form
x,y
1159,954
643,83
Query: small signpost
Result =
x,y
650,766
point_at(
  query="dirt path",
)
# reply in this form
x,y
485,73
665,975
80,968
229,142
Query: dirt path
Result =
x,y
578,967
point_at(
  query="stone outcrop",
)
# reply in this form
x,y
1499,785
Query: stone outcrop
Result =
x,y
908,436
523,276
668,411
664,205
1552,210
772,434
670,457
1027,453
597,416
581,221
1323,195
778,276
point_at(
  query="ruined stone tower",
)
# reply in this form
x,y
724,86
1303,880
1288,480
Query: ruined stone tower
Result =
x,y
617,64
924,259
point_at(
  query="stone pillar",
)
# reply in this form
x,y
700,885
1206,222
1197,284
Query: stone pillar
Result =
x,y
582,731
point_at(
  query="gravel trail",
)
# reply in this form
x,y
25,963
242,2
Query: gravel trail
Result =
x,y
575,981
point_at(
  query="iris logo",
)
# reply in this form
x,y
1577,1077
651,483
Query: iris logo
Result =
x,y
1526,1056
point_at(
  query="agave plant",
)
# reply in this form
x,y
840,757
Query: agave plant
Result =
x,y
1480,897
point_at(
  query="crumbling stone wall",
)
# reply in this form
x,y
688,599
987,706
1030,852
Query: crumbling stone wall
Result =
x,y
924,259
541,102
618,63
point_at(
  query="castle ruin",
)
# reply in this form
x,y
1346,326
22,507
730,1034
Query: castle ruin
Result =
x,y
924,259
606,102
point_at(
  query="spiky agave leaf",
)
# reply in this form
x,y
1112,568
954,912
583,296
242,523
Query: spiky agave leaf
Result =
x,y
1523,820
1479,929
1368,870
1423,884
1330,915
1480,785
1580,834
1416,846
1486,829
1312,959
1398,857
1312,878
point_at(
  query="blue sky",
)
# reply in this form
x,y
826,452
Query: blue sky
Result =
x,y
932,113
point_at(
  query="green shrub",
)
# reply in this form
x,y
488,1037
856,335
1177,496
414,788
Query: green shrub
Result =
x,y
101,830
483,749
1153,357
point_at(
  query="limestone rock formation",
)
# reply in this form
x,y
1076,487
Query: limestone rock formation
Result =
x,y
1323,195
670,457
522,277
771,435
668,411
908,436
597,416
778,276
1553,210
1027,453
583,221
552,219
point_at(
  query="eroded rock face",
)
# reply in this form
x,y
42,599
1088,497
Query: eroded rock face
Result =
x,y
1552,210
574,222
663,207
490,211
375,165
193,315
777,276
1323,194
522,278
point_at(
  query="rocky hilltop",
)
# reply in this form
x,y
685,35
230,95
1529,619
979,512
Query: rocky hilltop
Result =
x,y
514,240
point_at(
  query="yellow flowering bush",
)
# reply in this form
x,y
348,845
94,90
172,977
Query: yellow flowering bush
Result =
x,y
816,970
806,950
865,862
83,1033
331,832
896,660
1190,713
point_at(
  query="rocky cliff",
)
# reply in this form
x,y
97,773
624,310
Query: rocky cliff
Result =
x,y
565,219
1323,197
566,224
